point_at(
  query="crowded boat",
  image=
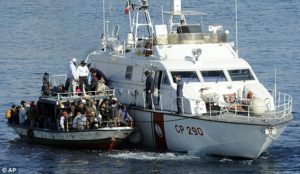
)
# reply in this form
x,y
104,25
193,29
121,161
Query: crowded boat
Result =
x,y
77,103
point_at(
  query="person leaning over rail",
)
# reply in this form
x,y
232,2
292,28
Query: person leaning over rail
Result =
x,y
99,74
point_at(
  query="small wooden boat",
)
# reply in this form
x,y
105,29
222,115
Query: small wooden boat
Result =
x,y
103,136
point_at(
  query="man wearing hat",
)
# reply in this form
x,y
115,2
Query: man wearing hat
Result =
x,y
72,76
83,73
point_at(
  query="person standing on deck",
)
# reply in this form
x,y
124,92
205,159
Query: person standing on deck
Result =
x,y
83,73
179,93
22,113
148,89
72,77
63,120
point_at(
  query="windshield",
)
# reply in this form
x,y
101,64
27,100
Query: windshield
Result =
x,y
240,75
213,76
186,76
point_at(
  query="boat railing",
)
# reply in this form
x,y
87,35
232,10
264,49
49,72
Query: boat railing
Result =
x,y
278,108
191,38
58,91
88,127
89,94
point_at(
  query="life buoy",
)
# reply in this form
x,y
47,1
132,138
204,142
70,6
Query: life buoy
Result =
x,y
30,133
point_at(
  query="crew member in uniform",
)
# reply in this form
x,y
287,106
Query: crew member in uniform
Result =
x,y
148,90
179,93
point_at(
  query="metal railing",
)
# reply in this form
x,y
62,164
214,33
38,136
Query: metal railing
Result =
x,y
279,109
89,94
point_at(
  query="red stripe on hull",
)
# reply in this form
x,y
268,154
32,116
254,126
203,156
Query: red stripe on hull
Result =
x,y
159,131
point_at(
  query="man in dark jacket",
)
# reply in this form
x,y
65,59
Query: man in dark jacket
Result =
x,y
179,93
148,90
99,74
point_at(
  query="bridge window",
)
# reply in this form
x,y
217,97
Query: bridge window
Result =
x,y
186,76
189,29
213,76
165,78
240,75
128,74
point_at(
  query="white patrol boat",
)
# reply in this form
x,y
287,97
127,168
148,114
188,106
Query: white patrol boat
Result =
x,y
226,110
50,106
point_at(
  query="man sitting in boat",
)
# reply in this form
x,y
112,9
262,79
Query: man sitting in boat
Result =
x,y
97,122
123,117
81,107
91,111
79,121
105,110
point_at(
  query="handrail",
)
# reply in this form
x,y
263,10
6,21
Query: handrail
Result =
x,y
242,108
79,95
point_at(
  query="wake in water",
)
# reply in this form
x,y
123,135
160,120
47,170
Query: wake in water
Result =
x,y
150,156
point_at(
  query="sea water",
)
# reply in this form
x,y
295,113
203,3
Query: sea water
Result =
x,y
38,36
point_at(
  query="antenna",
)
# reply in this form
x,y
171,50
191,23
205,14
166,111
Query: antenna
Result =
x,y
275,87
236,29
104,30
162,15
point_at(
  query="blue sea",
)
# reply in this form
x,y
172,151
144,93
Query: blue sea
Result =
x,y
38,36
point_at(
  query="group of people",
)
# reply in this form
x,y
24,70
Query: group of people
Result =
x,y
26,114
78,80
92,114
81,115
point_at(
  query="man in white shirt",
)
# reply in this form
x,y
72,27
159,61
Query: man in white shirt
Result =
x,y
83,73
22,113
63,119
72,76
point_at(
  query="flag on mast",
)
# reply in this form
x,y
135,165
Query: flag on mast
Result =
x,y
127,6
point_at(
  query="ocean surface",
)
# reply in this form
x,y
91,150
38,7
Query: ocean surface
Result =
x,y
43,35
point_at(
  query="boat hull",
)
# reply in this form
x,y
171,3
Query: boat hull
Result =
x,y
103,138
166,131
